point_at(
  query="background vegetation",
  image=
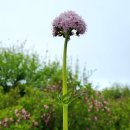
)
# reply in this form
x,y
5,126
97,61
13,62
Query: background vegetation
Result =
x,y
30,93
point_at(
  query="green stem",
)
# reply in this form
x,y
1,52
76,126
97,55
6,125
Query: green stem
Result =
x,y
64,71
65,116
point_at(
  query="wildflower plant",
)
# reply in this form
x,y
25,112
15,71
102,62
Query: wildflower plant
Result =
x,y
66,25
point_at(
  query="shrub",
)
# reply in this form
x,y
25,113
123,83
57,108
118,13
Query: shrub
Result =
x,y
21,69
9,99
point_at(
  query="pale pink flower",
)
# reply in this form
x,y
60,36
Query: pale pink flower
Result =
x,y
46,106
67,22
24,111
35,123
95,118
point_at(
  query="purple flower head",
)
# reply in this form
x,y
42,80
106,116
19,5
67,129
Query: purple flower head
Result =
x,y
67,22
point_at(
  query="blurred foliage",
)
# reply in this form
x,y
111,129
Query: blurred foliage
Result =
x,y
117,91
16,68
20,69
38,110
30,90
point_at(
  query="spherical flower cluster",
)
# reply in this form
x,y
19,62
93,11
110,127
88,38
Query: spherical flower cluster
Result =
x,y
67,22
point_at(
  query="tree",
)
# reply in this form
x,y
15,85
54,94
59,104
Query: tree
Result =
x,y
16,68
20,69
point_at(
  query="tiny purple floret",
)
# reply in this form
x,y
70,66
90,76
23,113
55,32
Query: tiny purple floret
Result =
x,y
68,22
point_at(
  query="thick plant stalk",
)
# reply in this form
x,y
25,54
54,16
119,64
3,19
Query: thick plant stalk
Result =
x,y
63,25
64,74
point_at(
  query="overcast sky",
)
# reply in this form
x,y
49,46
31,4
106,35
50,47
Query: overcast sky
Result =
x,y
105,46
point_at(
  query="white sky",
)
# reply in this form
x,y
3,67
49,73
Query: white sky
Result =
x,y
105,47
